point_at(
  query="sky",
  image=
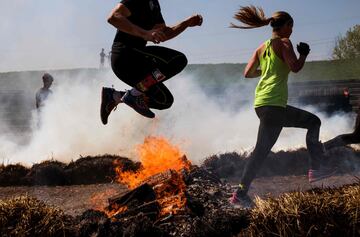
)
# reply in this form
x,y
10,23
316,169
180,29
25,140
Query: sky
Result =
x,y
43,34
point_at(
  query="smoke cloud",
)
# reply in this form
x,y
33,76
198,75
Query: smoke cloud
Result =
x,y
201,123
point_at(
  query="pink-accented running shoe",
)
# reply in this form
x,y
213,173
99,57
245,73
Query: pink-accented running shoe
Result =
x,y
240,198
321,173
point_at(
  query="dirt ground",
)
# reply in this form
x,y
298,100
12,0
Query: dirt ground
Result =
x,y
74,200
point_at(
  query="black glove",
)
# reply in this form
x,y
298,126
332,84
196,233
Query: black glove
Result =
x,y
303,48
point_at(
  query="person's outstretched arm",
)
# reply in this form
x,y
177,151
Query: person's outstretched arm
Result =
x,y
173,31
118,18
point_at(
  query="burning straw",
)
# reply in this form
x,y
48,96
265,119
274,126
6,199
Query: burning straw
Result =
x,y
156,155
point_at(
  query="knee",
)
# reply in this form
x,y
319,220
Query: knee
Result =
x,y
167,104
183,61
163,103
180,62
314,122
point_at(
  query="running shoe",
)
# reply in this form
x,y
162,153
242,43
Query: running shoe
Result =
x,y
321,173
240,198
138,103
243,201
108,103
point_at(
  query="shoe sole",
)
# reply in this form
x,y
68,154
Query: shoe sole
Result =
x,y
102,107
146,116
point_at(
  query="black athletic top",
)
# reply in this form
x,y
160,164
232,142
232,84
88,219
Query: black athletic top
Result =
x,y
145,14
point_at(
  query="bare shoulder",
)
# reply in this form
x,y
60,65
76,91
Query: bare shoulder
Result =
x,y
286,42
260,49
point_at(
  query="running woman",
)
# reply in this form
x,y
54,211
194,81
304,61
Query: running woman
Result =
x,y
143,67
272,61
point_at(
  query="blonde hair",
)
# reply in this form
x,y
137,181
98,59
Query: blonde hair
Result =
x,y
253,17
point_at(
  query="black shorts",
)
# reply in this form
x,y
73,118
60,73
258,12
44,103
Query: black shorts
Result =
x,y
131,65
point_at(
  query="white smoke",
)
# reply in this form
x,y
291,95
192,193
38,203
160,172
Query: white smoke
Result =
x,y
71,126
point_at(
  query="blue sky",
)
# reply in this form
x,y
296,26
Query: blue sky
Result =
x,y
43,34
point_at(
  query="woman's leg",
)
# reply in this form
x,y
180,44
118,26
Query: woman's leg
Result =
x,y
342,140
160,97
137,67
299,118
346,139
271,119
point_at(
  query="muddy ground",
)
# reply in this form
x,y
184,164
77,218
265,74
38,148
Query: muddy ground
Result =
x,y
75,199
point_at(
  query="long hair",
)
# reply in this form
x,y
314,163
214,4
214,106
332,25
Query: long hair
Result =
x,y
253,17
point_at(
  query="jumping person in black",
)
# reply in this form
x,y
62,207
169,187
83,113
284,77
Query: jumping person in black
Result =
x,y
145,68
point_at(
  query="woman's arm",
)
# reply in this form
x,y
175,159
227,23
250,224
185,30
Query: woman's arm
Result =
x,y
295,64
251,69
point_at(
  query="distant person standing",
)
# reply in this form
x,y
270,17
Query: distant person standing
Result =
x,y
42,95
44,92
109,58
102,58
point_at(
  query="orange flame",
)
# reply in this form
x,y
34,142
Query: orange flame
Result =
x,y
99,201
171,194
156,155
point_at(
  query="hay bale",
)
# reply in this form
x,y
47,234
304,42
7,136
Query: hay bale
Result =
x,y
13,175
49,173
25,216
319,212
98,169
284,163
226,165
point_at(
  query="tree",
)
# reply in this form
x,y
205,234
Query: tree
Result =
x,y
348,47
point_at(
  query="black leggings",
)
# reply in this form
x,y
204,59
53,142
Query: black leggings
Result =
x,y
346,139
132,65
272,120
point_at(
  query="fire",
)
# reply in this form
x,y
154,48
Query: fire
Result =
x,y
99,200
156,155
171,194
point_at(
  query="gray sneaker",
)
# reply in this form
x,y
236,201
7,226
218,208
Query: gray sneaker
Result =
x,y
138,103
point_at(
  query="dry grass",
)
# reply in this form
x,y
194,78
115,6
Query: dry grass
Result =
x,y
25,216
319,212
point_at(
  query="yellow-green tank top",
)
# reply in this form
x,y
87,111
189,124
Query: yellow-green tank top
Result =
x,y
272,88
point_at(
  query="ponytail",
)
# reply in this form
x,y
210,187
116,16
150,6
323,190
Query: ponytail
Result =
x,y
252,17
